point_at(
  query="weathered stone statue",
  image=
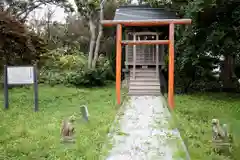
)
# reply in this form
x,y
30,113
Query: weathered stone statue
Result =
x,y
68,129
220,137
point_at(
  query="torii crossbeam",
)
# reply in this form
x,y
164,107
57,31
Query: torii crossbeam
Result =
x,y
159,22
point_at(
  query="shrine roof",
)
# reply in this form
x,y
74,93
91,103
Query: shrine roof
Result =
x,y
143,15
142,12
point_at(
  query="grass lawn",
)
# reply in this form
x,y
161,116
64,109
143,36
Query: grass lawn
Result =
x,y
26,135
194,114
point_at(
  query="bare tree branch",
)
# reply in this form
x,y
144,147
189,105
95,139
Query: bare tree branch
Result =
x,y
27,12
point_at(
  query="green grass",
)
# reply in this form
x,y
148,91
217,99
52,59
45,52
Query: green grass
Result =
x,y
194,114
26,135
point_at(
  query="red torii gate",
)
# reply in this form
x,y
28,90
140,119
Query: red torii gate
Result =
x,y
170,42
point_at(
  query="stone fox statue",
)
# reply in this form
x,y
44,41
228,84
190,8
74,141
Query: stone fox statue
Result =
x,y
67,129
221,138
219,132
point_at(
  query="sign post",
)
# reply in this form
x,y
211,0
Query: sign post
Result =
x,y
35,88
20,75
6,102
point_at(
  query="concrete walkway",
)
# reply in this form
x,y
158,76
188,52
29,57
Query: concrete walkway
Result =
x,y
144,132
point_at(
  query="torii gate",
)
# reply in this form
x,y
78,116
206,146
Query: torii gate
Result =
x,y
170,42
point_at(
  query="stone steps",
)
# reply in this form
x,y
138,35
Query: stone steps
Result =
x,y
145,82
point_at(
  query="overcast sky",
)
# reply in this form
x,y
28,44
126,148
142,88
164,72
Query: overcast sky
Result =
x,y
59,14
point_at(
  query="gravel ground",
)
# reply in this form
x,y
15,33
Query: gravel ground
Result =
x,y
144,132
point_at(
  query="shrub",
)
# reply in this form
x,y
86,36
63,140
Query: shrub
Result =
x,y
206,86
87,77
92,77
71,69
105,64
61,60
52,77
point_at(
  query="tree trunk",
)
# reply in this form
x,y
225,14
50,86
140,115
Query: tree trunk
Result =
x,y
227,73
96,52
98,42
92,42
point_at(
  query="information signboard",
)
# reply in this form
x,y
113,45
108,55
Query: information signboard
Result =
x,y
20,75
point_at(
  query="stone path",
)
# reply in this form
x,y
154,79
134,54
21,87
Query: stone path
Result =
x,y
144,132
